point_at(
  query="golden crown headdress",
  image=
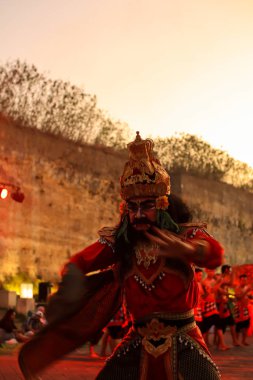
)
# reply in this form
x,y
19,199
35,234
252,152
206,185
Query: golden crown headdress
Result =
x,y
143,174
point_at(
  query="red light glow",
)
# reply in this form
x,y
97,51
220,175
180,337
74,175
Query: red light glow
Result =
x,y
4,193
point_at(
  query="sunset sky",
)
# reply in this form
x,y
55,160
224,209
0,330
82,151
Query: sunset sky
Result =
x,y
162,66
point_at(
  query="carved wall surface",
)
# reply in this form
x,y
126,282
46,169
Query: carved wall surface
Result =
x,y
71,191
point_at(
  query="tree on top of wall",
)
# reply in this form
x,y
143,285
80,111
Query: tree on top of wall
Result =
x,y
33,100
190,154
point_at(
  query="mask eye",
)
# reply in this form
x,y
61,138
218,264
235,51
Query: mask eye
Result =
x,y
145,206
132,207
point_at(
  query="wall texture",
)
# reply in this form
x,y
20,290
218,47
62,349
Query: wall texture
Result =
x,y
71,191
228,212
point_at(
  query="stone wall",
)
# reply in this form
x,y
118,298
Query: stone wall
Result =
x,y
227,211
71,191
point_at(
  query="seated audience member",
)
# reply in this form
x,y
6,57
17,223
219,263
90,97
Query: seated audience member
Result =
x,y
36,323
9,332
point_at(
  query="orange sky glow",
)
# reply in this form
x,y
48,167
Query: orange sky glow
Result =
x,y
162,66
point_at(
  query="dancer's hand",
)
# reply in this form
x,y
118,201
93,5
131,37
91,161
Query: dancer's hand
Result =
x,y
172,245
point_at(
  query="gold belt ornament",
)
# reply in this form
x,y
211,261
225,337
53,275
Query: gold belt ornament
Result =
x,y
157,337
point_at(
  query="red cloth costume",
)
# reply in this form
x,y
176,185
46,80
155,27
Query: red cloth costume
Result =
x,y
241,305
166,287
158,284
175,292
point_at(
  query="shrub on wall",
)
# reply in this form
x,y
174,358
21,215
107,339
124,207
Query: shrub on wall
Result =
x,y
34,100
13,282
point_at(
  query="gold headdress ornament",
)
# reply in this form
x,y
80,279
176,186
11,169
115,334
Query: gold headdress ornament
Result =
x,y
143,174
